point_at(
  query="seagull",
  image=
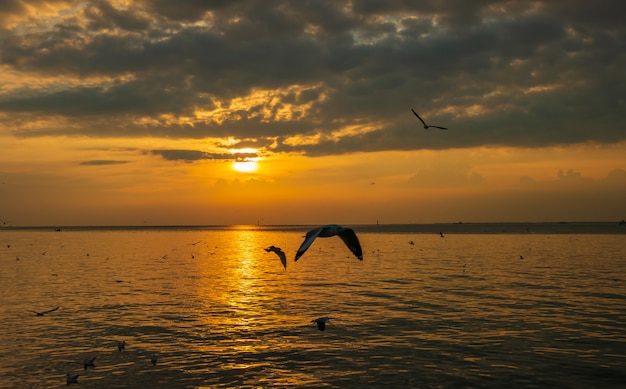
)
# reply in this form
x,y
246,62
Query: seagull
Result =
x,y
321,322
412,243
280,253
89,363
121,345
346,234
71,379
153,359
426,126
44,312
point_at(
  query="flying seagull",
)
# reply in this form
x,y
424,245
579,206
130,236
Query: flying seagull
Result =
x,y
71,379
346,234
426,126
44,312
280,253
321,322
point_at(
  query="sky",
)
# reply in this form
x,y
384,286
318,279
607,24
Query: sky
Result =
x,y
202,112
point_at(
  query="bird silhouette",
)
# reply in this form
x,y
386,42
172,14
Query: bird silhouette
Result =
x,y
426,126
44,312
71,379
321,322
89,362
346,234
280,253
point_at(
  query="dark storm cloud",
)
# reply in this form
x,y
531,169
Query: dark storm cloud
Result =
x,y
515,73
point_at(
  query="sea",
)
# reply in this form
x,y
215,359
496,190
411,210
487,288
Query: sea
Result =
x,y
458,305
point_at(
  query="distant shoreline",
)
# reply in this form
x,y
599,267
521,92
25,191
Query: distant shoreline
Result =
x,y
613,227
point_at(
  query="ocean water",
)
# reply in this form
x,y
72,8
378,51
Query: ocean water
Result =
x,y
459,311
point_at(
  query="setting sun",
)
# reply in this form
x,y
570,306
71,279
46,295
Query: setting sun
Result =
x,y
245,166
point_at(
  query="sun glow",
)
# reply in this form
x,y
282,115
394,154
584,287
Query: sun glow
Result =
x,y
245,166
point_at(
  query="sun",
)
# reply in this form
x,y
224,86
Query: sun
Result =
x,y
245,166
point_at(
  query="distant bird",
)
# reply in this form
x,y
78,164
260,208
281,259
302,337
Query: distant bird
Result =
x,y
153,359
321,322
412,243
346,234
71,379
280,253
121,345
441,234
44,312
426,126
521,257
89,362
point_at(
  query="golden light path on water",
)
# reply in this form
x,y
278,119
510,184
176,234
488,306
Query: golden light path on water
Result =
x,y
219,311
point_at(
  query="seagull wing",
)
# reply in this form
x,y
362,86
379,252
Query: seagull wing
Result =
x,y
349,238
50,310
308,240
441,128
283,257
418,116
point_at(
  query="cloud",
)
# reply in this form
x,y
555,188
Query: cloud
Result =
x,y
100,162
574,181
446,175
197,155
521,74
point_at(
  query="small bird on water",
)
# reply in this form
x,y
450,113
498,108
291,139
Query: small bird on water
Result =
x,y
346,234
71,379
89,362
121,345
321,322
153,359
280,253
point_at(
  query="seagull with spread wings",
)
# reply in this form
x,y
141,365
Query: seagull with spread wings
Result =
x,y
346,234
426,126
280,253
44,312
321,322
